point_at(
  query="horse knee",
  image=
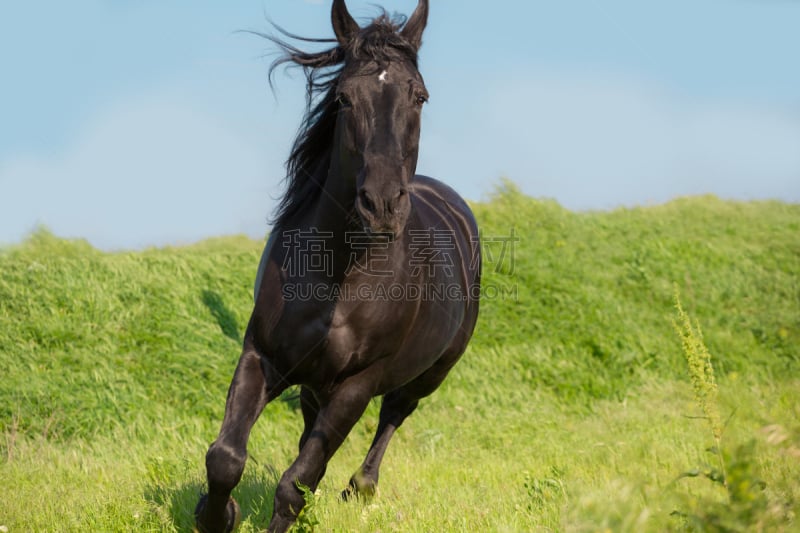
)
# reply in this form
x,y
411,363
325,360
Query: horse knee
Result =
x,y
224,466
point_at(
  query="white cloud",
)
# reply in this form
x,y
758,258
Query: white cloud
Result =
x,y
594,142
162,169
155,170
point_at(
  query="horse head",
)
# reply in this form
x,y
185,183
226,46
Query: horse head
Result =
x,y
380,94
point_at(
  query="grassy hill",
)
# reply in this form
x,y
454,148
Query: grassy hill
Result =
x,y
572,409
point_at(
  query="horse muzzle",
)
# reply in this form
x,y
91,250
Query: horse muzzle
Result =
x,y
384,212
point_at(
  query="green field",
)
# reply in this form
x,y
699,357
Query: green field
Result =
x,y
572,410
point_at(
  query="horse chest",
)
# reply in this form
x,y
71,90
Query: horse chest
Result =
x,y
318,343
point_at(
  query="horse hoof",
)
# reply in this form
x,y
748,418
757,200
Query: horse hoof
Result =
x,y
359,488
348,494
233,516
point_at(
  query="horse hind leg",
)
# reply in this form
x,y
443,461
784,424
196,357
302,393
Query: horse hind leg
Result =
x,y
309,405
395,408
226,457
397,405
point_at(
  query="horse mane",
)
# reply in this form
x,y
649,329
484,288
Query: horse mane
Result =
x,y
380,41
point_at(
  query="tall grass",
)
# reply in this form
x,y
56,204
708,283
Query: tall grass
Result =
x,y
568,412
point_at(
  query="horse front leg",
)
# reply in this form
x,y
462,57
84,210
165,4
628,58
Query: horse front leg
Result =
x,y
226,457
332,424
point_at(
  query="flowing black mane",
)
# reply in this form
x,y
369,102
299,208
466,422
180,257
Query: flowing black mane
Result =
x,y
380,41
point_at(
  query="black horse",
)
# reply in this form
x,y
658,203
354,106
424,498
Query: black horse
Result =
x,y
369,282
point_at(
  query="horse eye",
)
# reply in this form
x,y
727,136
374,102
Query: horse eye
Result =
x,y
343,100
421,99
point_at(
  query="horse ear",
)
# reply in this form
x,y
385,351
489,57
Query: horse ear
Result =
x,y
344,25
413,29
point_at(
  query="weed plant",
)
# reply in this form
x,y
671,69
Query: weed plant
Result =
x,y
745,506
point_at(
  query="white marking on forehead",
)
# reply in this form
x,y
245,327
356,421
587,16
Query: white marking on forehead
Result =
x,y
382,77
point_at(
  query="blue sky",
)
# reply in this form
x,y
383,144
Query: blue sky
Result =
x,y
139,123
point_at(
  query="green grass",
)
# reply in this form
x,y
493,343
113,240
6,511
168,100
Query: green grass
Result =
x,y
571,411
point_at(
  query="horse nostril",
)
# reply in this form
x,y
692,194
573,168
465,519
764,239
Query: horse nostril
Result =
x,y
366,201
392,205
